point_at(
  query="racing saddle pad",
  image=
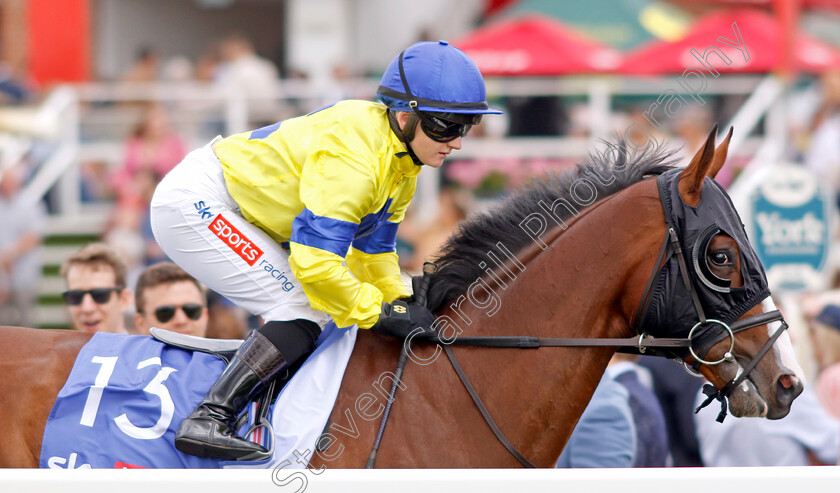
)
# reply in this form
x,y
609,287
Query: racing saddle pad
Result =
x,y
126,396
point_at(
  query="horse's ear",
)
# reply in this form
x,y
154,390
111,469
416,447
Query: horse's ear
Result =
x,y
720,155
691,178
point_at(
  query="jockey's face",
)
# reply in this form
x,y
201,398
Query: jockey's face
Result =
x,y
161,299
430,152
89,315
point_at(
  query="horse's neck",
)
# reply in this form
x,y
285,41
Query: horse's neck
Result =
x,y
579,286
582,284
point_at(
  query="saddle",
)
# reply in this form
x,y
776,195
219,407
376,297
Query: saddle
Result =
x,y
224,349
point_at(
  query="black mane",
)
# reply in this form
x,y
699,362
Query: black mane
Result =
x,y
466,255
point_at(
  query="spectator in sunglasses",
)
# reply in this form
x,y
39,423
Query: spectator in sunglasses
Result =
x,y
96,296
168,298
296,222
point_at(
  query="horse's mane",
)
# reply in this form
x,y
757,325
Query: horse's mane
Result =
x,y
464,258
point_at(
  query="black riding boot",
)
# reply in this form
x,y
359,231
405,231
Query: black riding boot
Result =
x,y
209,431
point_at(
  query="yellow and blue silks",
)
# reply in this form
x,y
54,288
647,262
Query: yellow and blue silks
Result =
x,y
335,184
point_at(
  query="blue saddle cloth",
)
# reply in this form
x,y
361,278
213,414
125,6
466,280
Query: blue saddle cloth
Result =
x,y
123,403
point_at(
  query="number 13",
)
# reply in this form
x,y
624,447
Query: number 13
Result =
x,y
155,387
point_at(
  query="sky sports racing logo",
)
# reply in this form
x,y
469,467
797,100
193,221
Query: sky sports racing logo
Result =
x,y
233,238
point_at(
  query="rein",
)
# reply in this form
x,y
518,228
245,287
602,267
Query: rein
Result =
x,y
641,343
638,344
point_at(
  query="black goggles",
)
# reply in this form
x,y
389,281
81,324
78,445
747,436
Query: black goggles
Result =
x,y
446,127
100,295
165,313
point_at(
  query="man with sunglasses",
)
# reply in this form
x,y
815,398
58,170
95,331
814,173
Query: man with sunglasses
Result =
x,y
96,296
168,298
296,222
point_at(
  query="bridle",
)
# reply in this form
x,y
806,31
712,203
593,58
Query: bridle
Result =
x,y
642,343
671,242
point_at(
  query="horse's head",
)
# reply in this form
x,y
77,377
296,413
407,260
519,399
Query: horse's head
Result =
x,y
712,289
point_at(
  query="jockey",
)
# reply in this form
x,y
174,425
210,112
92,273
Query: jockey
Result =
x,y
296,222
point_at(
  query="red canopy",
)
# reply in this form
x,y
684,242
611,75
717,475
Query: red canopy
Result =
x,y
759,32
804,4
536,45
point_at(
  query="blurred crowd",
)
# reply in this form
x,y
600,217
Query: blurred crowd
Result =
x,y
642,414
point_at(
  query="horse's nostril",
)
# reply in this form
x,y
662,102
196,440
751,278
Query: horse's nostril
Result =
x,y
789,387
787,381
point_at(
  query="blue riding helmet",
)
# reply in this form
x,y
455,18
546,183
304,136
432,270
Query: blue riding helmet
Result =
x,y
440,85
436,77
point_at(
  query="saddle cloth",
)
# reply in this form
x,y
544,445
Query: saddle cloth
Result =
x,y
127,395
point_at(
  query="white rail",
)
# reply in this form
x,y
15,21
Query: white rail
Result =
x,y
71,111
685,480
754,108
56,123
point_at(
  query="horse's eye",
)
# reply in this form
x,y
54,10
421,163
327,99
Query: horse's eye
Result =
x,y
720,258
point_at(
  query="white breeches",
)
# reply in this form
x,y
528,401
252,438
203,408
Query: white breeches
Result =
x,y
200,227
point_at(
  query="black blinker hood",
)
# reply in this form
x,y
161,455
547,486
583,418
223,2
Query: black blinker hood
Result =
x,y
670,310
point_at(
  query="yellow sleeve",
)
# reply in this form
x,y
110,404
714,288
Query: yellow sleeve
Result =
x,y
373,258
336,190
331,287
380,269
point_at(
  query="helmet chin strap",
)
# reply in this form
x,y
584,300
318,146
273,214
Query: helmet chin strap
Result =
x,y
406,134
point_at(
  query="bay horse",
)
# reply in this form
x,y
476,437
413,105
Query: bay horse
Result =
x,y
504,274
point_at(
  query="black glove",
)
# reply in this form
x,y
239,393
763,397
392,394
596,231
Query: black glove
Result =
x,y
401,317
